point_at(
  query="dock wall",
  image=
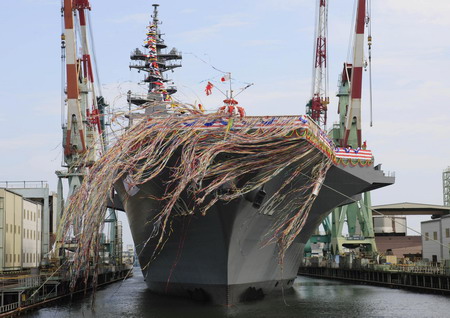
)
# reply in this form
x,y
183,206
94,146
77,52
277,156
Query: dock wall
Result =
x,y
421,282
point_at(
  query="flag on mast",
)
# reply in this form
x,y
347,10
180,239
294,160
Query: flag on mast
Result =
x,y
226,77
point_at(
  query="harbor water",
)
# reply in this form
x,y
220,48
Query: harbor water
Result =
x,y
309,298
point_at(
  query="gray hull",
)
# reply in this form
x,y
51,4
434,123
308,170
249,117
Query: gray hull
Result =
x,y
222,256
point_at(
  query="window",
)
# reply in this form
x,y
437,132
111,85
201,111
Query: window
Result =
x,y
15,229
18,228
435,236
447,232
426,236
24,213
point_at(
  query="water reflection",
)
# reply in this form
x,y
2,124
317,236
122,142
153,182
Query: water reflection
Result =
x,y
309,298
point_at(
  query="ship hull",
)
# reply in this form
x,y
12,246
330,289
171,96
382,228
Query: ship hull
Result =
x,y
226,255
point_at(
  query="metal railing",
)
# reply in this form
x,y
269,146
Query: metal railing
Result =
x,y
23,184
9,307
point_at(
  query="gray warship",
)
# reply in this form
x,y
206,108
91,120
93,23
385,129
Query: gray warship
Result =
x,y
222,256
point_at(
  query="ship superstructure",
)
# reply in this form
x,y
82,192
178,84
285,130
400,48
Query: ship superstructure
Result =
x,y
154,61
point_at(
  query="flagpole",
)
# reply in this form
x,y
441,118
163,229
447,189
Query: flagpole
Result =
x,y
231,92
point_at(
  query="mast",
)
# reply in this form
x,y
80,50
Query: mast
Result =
x,y
155,61
317,106
353,116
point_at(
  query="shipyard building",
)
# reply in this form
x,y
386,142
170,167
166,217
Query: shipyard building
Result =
x,y
20,231
436,239
25,224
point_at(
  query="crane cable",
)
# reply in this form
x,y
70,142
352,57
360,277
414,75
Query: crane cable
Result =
x,y
63,66
369,43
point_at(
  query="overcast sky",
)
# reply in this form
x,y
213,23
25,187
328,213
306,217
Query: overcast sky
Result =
x,y
266,42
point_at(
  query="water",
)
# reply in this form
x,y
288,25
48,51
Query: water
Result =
x,y
309,298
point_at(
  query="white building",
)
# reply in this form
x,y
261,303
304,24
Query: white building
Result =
x,y
31,235
20,231
436,239
11,205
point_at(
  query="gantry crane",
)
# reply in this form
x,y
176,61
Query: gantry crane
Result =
x,y
357,215
84,133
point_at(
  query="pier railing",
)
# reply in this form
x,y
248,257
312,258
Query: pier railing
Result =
x,y
426,269
434,269
9,307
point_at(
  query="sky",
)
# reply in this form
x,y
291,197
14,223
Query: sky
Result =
x,y
266,42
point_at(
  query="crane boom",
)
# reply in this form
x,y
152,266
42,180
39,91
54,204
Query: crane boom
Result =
x,y
353,115
74,117
317,106
82,125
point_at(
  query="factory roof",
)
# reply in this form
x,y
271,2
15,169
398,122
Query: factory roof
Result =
x,y
408,208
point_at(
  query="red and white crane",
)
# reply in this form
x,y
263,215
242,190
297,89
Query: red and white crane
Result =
x,y
82,125
353,115
82,121
317,107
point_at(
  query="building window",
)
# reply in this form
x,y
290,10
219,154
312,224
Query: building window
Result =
x,y
426,236
447,232
435,236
